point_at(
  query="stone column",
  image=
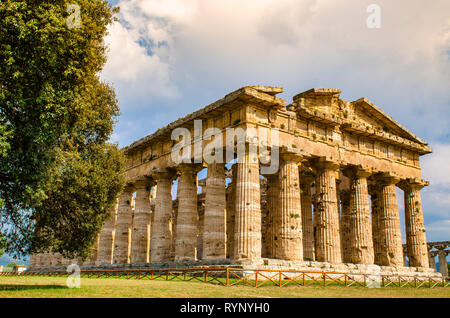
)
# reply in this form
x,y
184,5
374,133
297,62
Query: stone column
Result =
x,y
375,198
214,228
247,233
161,240
307,217
231,207
187,217
106,242
416,241
442,255
123,227
361,240
431,259
345,227
328,245
389,223
273,191
288,225
140,240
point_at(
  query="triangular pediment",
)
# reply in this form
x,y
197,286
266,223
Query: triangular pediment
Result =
x,y
361,117
373,116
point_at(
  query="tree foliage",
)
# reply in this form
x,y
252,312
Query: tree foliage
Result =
x,y
58,174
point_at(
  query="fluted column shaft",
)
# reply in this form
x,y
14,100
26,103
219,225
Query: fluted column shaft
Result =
x,y
442,258
140,240
307,217
123,228
288,230
161,233
106,242
247,233
328,246
375,198
345,227
214,228
231,207
361,240
187,217
431,260
416,240
273,191
390,233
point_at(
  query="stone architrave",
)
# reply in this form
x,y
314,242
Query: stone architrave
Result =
x,y
161,233
140,240
361,240
214,227
328,244
416,241
288,229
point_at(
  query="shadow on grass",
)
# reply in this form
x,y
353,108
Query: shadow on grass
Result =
x,y
31,287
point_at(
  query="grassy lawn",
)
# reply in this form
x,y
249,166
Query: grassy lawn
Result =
x,y
53,287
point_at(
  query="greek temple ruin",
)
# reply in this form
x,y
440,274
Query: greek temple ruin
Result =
x,y
331,203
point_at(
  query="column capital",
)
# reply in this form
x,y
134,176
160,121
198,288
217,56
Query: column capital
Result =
x,y
189,168
412,184
163,174
354,172
306,177
386,178
142,182
128,188
325,163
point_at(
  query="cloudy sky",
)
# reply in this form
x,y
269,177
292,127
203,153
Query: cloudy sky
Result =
x,y
168,58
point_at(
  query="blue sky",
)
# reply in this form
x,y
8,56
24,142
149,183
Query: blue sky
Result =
x,y
168,58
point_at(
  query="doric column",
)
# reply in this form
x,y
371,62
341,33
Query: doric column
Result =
x,y
416,240
140,239
272,207
231,207
431,259
288,229
106,242
161,233
247,233
345,227
442,255
307,217
123,227
375,198
361,241
328,245
214,228
187,217
389,223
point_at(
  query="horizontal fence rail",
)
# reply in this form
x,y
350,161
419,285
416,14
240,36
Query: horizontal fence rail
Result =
x,y
251,277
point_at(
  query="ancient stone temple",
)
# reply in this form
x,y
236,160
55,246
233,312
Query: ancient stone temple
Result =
x,y
330,201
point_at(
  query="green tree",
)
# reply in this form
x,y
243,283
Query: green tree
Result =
x,y
2,245
58,174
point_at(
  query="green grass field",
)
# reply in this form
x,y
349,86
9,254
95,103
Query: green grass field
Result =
x,y
55,287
